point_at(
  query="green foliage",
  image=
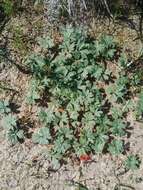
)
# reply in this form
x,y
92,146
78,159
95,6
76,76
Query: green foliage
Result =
x,y
116,147
81,103
46,116
77,119
119,89
14,135
42,136
84,101
33,94
10,124
123,61
137,77
118,127
132,162
106,47
100,143
46,43
4,107
8,7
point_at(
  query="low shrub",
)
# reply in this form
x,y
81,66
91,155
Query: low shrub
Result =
x,y
83,92
84,101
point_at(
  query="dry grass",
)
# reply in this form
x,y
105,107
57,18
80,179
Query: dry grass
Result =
x,y
106,7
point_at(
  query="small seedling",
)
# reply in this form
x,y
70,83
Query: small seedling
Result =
x,y
10,124
132,162
14,135
42,136
116,147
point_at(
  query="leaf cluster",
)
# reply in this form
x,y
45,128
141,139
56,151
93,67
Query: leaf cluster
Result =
x,y
9,123
132,162
75,121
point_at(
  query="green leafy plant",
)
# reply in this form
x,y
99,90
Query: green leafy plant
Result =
x,y
4,107
8,7
106,47
42,136
76,119
118,127
132,162
46,43
33,94
9,121
10,124
13,133
119,90
116,147
123,61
